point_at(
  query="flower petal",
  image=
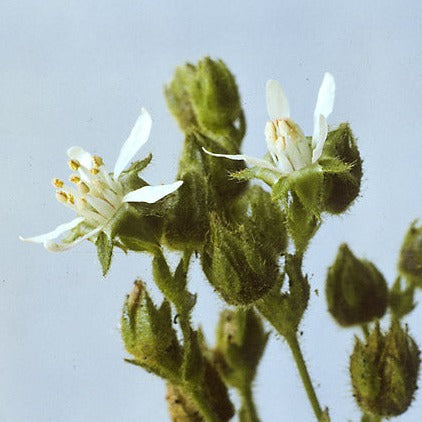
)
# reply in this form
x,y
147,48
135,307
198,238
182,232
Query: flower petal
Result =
x,y
61,247
277,103
151,194
326,94
318,140
79,154
62,228
240,157
138,136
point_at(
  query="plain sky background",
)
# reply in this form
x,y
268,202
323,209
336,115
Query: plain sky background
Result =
x,y
77,72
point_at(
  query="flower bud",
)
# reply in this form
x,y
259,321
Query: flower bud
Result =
x,y
206,97
148,333
239,267
384,371
241,341
356,291
410,262
215,96
256,209
341,187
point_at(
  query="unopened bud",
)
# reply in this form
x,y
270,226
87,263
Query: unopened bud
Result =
x,y
356,291
204,96
241,341
239,268
341,188
384,371
148,333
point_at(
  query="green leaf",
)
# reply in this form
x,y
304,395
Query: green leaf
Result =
x,y
105,251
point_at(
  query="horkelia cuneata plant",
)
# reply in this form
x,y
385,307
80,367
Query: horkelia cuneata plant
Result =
x,y
244,237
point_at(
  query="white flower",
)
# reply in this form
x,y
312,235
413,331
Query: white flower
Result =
x,y
289,149
97,195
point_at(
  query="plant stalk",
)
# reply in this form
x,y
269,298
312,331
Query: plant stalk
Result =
x,y
293,343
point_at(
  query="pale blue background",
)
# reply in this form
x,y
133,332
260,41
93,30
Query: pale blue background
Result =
x,y
77,72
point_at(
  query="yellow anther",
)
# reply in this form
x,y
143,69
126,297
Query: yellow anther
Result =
x,y
74,179
94,170
70,198
57,183
83,188
74,165
97,161
61,196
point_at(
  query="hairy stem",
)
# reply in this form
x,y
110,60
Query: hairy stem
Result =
x,y
293,343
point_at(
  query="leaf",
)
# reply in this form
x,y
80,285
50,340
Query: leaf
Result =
x,y
105,251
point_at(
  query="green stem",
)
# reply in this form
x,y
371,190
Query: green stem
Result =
x,y
293,343
366,417
248,411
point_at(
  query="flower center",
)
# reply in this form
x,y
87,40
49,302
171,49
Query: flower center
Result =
x,y
287,144
96,195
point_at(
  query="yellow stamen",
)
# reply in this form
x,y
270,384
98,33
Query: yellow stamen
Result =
x,y
83,188
74,179
57,183
70,198
61,196
94,171
97,161
74,165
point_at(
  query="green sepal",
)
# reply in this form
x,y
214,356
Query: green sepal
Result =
x,y
268,176
177,95
410,262
130,178
193,361
401,300
285,310
105,251
301,224
384,371
172,286
135,231
148,333
306,183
